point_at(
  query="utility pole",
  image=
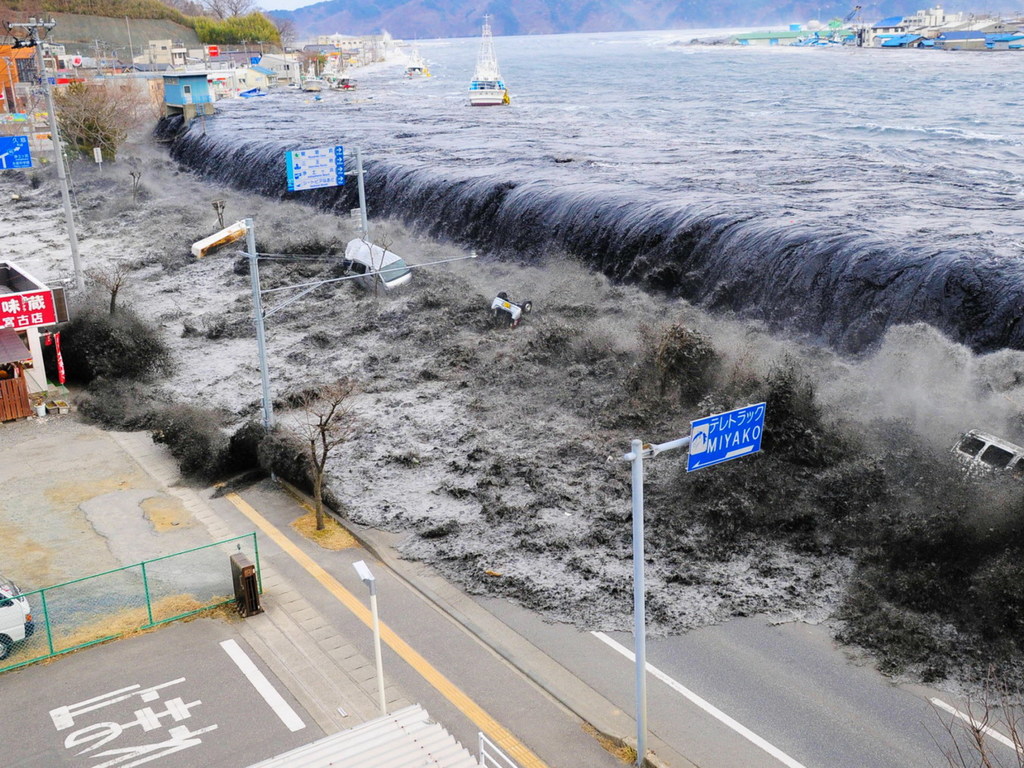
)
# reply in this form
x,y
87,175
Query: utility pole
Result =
x,y
131,48
33,26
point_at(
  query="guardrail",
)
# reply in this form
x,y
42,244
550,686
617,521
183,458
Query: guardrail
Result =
x,y
491,756
93,609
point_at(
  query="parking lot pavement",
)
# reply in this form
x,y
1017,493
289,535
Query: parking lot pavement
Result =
x,y
76,500
190,694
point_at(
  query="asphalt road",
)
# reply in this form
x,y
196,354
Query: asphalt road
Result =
x,y
173,698
789,684
553,733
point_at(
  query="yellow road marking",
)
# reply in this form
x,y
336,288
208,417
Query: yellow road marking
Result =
x,y
491,727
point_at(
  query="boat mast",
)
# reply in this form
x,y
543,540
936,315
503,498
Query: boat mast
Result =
x,y
486,60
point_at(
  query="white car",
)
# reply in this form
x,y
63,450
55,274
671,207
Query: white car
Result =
x,y
376,265
15,617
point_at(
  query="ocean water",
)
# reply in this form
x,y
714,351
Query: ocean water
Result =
x,y
831,192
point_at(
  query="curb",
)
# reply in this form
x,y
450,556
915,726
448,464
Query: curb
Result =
x,y
591,707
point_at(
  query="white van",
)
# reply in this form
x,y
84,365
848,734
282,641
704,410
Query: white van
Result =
x,y
363,258
980,449
15,617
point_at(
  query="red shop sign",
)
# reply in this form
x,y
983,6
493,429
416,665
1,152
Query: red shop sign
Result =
x,y
26,310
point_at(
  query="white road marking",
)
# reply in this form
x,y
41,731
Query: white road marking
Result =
x,y
711,709
263,686
975,724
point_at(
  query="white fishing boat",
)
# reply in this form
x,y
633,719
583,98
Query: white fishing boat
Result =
x,y
314,85
417,66
487,88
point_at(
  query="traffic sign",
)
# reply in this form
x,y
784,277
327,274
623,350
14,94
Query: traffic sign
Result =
x,y
212,51
725,436
315,168
14,153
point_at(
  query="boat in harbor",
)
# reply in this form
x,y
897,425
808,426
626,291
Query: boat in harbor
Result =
x,y
417,66
314,85
487,88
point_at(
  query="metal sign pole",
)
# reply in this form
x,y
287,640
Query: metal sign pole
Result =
x,y
639,604
362,194
257,311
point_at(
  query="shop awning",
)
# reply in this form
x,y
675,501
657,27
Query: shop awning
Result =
x,y
12,348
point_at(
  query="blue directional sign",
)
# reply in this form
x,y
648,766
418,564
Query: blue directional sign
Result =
x,y
315,168
725,436
14,152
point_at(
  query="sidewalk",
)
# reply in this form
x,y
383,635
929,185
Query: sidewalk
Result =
x,y
327,674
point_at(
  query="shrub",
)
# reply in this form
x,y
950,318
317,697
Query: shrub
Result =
x,y
98,344
244,447
194,437
685,363
125,405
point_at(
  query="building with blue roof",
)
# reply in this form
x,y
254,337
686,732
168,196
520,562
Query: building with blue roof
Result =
x,y
187,94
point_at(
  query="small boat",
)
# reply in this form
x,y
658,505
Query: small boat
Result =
x,y
313,85
487,88
344,84
417,66
251,93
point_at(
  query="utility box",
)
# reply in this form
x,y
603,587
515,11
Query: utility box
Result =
x,y
247,587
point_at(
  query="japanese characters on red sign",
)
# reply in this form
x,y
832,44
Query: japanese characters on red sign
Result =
x,y
25,310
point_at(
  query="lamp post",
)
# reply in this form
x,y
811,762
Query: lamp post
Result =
x,y
367,578
638,452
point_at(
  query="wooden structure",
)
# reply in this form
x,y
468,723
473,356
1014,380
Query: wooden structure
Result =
x,y
14,399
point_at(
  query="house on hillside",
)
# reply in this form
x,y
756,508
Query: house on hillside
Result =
x,y
164,52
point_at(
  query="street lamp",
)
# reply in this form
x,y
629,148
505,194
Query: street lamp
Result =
x,y
367,578
639,451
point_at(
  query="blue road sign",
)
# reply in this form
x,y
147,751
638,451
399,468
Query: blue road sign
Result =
x,y
315,168
725,436
254,60
14,152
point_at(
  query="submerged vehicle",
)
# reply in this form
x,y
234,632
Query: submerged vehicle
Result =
x,y
507,313
982,450
487,88
376,265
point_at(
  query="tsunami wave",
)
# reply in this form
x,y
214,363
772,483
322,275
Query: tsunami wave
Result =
x,y
840,288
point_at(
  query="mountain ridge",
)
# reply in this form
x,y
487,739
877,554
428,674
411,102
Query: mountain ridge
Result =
x,y
462,18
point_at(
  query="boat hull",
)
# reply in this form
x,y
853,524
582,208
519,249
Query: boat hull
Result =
x,y
488,99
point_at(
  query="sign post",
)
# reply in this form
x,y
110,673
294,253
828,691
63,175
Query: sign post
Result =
x,y
712,440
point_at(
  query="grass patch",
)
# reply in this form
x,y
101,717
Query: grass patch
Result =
x,y
333,536
622,752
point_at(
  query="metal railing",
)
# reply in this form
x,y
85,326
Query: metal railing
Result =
x,y
491,756
93,609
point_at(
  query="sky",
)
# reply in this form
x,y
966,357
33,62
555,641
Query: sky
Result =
x,y
284,5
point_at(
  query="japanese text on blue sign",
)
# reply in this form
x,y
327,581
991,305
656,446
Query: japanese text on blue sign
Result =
x,y
315,168
14,152
725,436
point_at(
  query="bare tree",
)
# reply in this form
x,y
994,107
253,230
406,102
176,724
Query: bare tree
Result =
x,y
286,29
99,115
112,278
327,422
984,733
228,9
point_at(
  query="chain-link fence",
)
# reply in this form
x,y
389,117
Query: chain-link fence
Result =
x,y
90,610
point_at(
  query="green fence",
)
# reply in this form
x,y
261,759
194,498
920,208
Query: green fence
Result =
x,y
96,608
